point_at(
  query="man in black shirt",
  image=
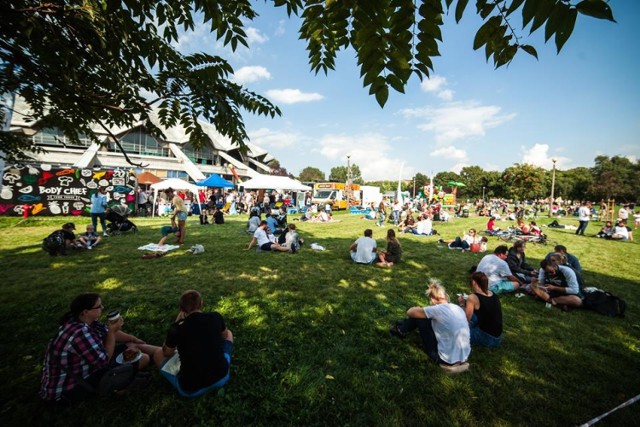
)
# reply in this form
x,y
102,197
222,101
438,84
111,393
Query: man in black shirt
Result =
x,y
204,347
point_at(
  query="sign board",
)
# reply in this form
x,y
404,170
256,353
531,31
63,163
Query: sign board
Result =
x,y
46,191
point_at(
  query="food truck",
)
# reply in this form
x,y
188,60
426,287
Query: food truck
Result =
x,y
336,194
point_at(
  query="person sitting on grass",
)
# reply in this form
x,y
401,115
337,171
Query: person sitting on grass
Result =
x,y
290,239
169,229
393,252
264,242
424,227
84,351
516,259
465,242
606,231
484,312
90,238
254,221
561,286
364,249
59,241
204,344
622,232
443,327
569,259
497,270
491,226
408,223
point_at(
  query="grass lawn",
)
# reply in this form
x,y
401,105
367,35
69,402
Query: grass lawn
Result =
x,y
312,345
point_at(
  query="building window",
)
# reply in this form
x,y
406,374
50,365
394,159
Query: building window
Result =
x,y
177,174
202,156
139,142
54,136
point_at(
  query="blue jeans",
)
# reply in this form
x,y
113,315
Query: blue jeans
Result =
x,y
459,243
480,338
94,221
429,341
396,217
381,219
582,227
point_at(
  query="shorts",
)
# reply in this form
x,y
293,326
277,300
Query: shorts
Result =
x,y
173,378
182,216
266,246
502,287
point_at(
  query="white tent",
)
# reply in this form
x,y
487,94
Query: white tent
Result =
x,y
174,183
272,182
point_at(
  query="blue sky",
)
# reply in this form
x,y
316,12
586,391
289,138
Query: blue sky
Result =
x,y
571,107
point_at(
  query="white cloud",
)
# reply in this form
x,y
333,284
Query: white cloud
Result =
x,y
255,36
292,96
438,85
538,155
251,74
459,120
267,138
281,28
450,152
371,152
457,168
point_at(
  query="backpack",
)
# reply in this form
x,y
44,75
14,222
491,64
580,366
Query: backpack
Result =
x,y
604,303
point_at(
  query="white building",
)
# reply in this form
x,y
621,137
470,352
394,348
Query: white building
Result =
x,y
172,157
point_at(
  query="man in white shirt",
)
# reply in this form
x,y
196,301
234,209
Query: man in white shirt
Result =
x,y
443,327
497,270
584,214
364,250
264,242
424,227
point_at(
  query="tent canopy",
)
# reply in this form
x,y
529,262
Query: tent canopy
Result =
x,y
214,180
147,178
176,184
272,182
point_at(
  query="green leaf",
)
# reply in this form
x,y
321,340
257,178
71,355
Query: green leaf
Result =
x,y
462,4
565,30
515,4
528,12
382,95
596,8
542,13
530,50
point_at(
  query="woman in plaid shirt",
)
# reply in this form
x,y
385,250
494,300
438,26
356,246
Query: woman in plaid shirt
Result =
x,y
83,349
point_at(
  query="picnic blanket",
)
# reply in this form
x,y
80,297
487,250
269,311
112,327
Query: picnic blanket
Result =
x,y
154,247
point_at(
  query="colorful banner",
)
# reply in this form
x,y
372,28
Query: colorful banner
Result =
x,y
46,191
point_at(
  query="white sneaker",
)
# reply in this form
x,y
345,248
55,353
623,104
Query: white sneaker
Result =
x,y
105,234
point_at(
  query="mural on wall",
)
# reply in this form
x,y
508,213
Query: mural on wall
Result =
x,y
46,191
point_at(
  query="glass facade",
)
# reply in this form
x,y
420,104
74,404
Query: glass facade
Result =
x,y
202,156
54,136
139,142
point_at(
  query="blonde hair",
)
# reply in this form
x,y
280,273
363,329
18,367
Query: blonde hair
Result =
x,y
436,290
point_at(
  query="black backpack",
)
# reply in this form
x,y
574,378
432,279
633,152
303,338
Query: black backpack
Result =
x,y
604,303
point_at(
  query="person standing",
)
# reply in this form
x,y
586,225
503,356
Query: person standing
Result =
x,y
584,214
204,347
180,212
98,207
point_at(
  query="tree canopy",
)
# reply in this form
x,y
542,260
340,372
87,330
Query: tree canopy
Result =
x,y
339,174
310,173
83,62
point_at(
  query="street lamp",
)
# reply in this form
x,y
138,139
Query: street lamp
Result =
x,y
553,184
483,194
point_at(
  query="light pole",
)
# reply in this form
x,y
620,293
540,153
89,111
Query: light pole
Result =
x,y
483,194
553,185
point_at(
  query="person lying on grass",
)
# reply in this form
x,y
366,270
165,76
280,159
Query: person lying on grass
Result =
x,y
265,242
204,344
483,311
561,285
84,350
443,327
465,242
393,252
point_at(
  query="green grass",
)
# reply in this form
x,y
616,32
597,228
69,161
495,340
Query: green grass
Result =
x,y
311,331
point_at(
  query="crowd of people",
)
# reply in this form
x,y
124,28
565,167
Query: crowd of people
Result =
x,y
86,355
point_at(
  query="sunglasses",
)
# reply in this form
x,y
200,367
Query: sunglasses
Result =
x,y
101,307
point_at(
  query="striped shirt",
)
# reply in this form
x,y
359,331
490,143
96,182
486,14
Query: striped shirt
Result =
x,y
76,352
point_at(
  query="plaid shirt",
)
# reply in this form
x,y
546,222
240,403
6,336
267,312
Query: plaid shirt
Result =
x,y
75,353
